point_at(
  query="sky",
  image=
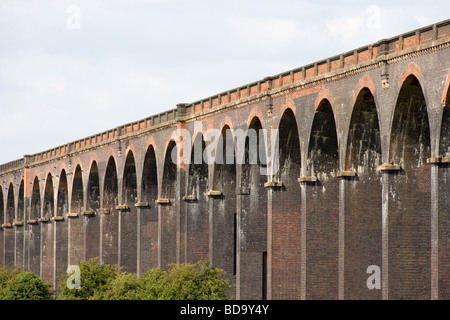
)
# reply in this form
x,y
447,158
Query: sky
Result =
x,y
71,69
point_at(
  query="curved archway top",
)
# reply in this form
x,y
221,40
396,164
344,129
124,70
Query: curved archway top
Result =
x,y
412,70
323,94
365,82
255,113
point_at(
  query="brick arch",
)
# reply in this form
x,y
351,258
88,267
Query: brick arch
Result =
x,y
323,94
255,113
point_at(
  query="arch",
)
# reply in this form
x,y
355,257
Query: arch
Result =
x,y
363,228
223,212
197,218
252,216
35,213
323,143
285,220
128,219
409,216
110,218
8,231
10,205
167,211
34,263
149,214
21,202
47,232
363,150
322,216
62,203
48,209
76,205
93,207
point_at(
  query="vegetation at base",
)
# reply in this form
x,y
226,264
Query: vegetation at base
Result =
x,y
197,281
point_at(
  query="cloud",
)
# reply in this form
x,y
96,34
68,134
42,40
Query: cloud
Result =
x,y
262,33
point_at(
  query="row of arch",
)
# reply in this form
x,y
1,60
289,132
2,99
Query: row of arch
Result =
x,y
232,231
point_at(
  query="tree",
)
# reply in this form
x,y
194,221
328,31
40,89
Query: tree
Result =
x,y
96,278
26,285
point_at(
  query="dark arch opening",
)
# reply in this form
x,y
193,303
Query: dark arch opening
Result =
x,y
197,219
322,217
149,213
323,144
224,215
62,207
77,191
92,220
363,153
253,216
34,259
362,227
128,218
10,207
9,241
409,210
167,211
286,212
48,210
110,218
21,203
47,232
35,200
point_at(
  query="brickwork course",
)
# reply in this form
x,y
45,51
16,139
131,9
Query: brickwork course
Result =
x,y
364,163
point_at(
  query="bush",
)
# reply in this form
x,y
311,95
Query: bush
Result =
x,y
25,285
181,282
95,281
194,282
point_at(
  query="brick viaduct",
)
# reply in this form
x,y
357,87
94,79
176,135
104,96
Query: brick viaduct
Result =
x,y
364,155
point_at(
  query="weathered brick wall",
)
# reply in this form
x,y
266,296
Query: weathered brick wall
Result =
x,y
363,181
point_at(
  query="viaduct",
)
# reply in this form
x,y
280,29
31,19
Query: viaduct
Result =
x,y
359,208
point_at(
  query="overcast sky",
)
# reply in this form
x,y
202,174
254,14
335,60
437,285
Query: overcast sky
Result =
x,y
70,69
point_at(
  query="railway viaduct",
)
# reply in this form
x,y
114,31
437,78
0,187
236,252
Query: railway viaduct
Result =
x,y
361,193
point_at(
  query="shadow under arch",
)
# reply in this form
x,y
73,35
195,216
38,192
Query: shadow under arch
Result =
x,y
363,194
409,196
322,209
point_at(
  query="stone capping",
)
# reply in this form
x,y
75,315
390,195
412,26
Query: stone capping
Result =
x,y
18,223
273,184
88,213
43,220
122,207
72,215
7,225
142,204
58,218
189,198
389,167
162,201
32,221
214,193
307,179
346,174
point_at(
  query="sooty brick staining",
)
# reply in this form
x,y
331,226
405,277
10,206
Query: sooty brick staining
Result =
x,y
329,181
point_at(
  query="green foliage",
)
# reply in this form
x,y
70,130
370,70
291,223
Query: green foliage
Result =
x,y
197,281
25,285
181,282
95,280
194,282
